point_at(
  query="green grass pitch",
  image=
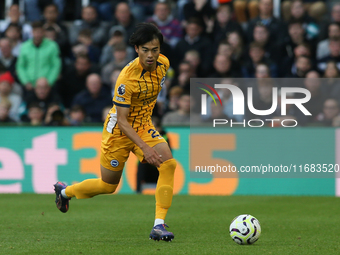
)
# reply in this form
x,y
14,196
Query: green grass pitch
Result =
x,y
120,224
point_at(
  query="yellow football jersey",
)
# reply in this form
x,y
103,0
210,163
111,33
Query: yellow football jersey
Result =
x,y
138,90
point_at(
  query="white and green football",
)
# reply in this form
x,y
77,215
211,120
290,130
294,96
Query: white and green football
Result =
x,y
245,229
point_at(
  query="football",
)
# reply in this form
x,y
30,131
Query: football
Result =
x,y
245,229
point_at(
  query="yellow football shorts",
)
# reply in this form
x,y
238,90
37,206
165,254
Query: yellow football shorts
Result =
x,y
115,150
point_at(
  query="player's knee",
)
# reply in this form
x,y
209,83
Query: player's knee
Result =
x,y
108,188
168,165
164,195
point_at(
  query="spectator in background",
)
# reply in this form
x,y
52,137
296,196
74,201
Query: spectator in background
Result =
x,y
193,57
334,18
51,14
261,36
94,98
169,26
6,56
85,46
57,119
174,94
245,7
142,9
330,111
262,70
296,36
35,114
6,84
323,46
301,66
54,115
104,8
124,19
43,95
89,21
120,60
34,8
114,76
194,40
216,112
257,56
298,12
182,115
39,57
13,32
274,25
236,42
198,9
288,63
224,24
331,85
223,68
315,8
315,104
74,79
16,87
185,72
51,34
334,55
14,16
5,106
116,37
77,116
224,48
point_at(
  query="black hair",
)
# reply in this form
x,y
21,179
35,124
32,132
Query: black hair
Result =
x,y
37,24
51,5
35,104
144,33
16,26
295,21
334,24
50,29
85,32
78,108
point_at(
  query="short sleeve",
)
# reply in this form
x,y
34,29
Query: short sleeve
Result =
x,y
123,92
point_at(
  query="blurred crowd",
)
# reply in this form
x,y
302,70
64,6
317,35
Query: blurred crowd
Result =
x,y
58,72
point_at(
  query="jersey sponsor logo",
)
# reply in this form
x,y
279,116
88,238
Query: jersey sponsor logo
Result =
x,y
162,81
120,99
114,163
121,89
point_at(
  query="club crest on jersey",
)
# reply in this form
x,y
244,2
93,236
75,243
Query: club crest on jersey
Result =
x,y
162,81
114,163
121,89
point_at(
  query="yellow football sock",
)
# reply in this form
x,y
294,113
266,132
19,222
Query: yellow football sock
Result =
x,y
89,188
164,189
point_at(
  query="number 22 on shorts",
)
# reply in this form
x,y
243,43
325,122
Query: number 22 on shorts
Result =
x,y
154,133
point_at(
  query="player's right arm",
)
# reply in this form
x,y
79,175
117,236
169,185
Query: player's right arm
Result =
x,y
150,154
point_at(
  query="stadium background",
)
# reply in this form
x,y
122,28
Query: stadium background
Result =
x,y
23,170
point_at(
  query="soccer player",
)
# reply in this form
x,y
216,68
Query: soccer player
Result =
x,y
128,127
